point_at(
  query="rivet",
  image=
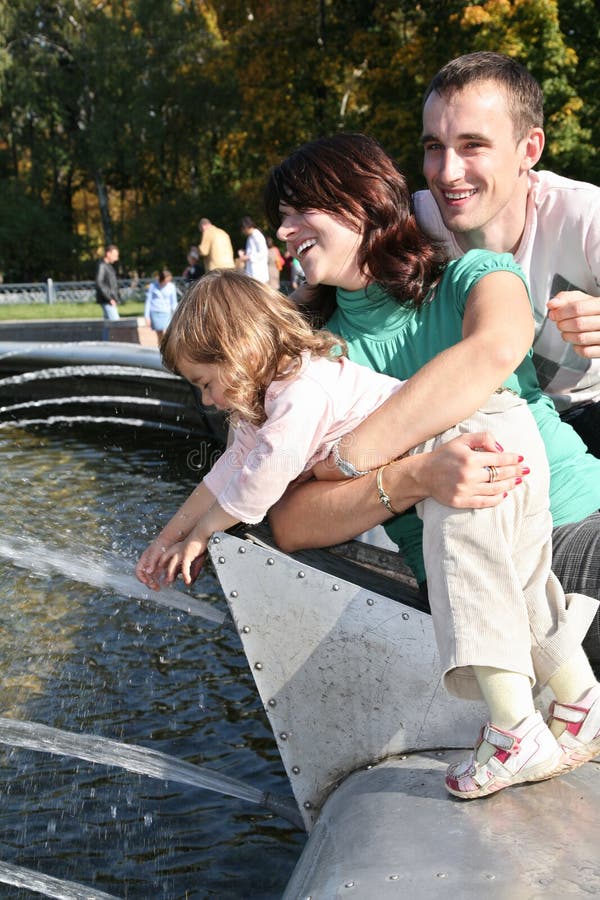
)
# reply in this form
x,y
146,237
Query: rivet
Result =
x,y
241,549
283,735
405,616
370,601
490,877
296,770
307,804
404,757
246,629
258,666
270,561
272,702
441,875
439,754
221,559
394,877
349,884
233,594
335,587
301,574
216,540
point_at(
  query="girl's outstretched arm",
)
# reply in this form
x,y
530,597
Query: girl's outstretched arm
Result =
x,y
176,529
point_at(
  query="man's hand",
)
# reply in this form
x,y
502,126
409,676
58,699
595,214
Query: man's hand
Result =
x,y
577,316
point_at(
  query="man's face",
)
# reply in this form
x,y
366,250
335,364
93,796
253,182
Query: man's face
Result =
x,y
474,165
113,255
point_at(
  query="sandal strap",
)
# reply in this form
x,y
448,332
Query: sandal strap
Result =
x,y
567,713
503,740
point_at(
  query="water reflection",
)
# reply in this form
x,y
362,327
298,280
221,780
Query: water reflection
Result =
x,y
85,659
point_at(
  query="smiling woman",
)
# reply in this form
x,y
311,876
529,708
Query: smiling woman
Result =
x,y
326,247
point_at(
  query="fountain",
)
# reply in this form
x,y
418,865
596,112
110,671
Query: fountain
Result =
x,y
93,666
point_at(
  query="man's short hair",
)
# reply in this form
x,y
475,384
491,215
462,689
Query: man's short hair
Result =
x,y
110,247
247,222
204,221
524,98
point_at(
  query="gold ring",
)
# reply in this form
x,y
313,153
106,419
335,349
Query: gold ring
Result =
x,y
492,473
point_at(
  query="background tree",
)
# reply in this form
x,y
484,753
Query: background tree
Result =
x,y
127,120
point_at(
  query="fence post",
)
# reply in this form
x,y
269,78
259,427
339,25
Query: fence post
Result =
x,y
50,292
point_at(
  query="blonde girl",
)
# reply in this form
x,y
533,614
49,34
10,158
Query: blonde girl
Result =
x,y
290,395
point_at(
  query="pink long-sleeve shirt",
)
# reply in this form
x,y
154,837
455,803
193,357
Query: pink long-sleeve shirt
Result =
x,y
306,415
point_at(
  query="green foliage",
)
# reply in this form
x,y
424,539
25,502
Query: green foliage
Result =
x,y
128,120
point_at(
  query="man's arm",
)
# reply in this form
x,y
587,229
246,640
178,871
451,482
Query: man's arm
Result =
x,y
577,316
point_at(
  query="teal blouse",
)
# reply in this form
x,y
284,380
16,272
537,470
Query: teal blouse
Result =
x,y
398,341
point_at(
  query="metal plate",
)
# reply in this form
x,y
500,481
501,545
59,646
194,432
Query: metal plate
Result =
x,y
393,831
347,677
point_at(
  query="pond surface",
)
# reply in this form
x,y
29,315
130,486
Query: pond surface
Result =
x,y
88,660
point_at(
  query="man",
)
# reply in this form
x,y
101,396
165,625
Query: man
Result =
x,y
482,136
256,253
107,286
215,247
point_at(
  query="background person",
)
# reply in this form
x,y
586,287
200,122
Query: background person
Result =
x,y
482,135
255,254
215,247
107,286
161,302
276,263
194,269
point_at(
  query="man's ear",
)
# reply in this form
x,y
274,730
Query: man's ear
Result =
x,y
533,146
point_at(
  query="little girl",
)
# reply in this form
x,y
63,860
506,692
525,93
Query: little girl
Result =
x,y
292,397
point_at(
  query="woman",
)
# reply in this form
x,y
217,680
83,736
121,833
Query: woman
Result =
x,y
344,209
161,302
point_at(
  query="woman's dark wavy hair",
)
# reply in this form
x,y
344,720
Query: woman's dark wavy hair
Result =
x,y
351,177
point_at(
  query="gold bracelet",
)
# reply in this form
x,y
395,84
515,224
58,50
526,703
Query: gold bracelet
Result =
x,y
383,496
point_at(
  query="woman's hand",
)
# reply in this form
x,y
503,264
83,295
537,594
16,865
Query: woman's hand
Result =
x,y
457,473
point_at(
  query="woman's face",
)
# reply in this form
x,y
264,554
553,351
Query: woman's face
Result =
x,y
326,247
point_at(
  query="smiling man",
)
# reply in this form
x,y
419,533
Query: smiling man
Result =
x,y
482,136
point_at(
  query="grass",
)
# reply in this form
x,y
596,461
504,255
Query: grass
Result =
x,y
22,312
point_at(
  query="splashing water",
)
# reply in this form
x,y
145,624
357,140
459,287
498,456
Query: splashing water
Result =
x,y
21,877
112,572
142,760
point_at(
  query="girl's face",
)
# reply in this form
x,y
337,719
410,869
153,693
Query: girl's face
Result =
x,y
206,377
326,247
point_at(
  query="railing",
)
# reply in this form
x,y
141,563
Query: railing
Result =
x,y
50,291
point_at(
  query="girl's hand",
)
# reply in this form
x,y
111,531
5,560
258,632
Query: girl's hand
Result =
x,y
148,569
185,558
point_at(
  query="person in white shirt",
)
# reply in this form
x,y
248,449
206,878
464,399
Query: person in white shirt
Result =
x,y
482,136
256,253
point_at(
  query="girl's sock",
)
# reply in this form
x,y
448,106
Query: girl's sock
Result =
x,y
509,700
570,683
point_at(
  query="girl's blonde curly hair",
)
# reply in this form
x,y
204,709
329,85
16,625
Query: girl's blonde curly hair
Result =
x,y
254,333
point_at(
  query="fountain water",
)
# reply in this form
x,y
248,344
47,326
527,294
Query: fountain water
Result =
x,y
80,655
